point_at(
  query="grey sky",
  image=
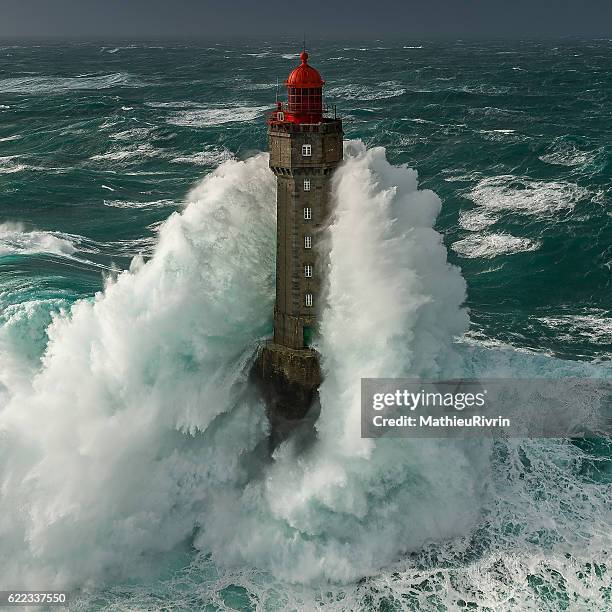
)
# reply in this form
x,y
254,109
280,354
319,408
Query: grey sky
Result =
x,y
319,18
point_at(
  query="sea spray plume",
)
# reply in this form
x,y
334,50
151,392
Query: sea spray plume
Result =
x,y
351,506
132,422
394,302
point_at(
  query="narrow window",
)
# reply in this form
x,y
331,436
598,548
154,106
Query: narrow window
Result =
x,y
307,242
308,271
308,213
280,116
308,299
306,150
306,184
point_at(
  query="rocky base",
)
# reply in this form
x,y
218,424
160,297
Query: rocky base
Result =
x,y
289,380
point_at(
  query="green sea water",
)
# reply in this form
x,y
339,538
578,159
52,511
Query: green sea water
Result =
x,y
101,143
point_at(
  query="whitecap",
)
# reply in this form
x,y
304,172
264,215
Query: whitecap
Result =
x,y
593,326
135,152
132,134
50,85
567,154
15,239
132,247
476,219
210,156
508,193
8,166
117,49
206,117
492,245
173,105
389,89
129,204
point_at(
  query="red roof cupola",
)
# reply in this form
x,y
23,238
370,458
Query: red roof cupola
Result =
x,y
304,75
305,93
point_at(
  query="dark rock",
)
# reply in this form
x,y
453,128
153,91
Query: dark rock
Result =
x,y
289,380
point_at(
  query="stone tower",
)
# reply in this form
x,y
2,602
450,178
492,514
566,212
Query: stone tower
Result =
x,y
305,148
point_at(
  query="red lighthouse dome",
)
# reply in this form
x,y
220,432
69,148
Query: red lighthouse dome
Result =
x,y
304,75
305,93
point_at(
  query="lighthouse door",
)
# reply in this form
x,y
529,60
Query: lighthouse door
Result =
x,y
308,335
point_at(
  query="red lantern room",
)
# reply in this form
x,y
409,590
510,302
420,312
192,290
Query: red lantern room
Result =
x,y
305,95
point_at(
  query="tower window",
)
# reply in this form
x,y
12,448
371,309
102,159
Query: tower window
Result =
x,y
306,184
308,298
308,271
308,213
306,150
307,242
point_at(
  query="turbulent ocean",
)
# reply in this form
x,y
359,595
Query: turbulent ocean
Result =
x,y
472,236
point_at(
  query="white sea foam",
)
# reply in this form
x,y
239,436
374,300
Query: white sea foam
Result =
x,y
175,104
128,204
512,193
134,152
210,156
389,89
241,84
114,50
132,247
15,239
492,245
419,120
9,165
10,138
594,327
567,154
476,219
49,85
205,117
12,164
503,135
508,194
133,134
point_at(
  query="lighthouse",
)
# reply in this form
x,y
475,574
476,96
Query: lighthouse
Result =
x,y
305,147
